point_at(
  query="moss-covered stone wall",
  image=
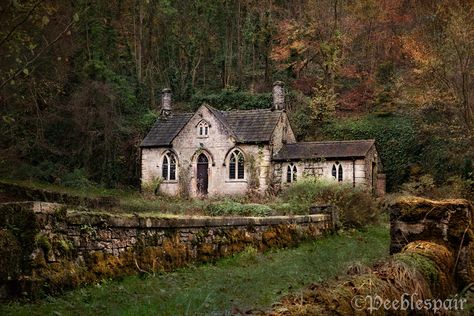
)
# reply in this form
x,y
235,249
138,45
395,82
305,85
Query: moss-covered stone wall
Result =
x,y
446,222
46,247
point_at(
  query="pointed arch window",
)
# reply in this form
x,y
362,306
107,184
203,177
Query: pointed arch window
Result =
x,y
203,129
236,165
337,172
291,173
168,170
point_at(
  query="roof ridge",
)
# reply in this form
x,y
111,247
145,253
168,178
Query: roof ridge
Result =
x,y
250,110
335,141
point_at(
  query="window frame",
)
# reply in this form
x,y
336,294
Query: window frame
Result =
x,y
169,167
291,173
203,129
236,169
337,172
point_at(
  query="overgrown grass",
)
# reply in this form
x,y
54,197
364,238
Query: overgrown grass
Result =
x,y
246,281
229,207
356,206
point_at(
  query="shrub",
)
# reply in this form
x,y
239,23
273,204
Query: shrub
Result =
x,y
453,187
234,208
77,179
424,186
248,257
151,188
356,207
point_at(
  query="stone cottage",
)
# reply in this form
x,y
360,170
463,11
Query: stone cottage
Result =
x,y
212,152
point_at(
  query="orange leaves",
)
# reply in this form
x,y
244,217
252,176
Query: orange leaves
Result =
x,y
291,43
418,52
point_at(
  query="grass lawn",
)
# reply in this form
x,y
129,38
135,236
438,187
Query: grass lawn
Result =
x,y
245,281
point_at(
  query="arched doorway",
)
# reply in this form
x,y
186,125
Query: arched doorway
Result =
x,y
202,174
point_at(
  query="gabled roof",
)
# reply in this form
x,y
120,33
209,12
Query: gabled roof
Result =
x,y
246,126
252,126
165,130
327,149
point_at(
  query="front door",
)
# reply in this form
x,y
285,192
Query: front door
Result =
x,y
202,174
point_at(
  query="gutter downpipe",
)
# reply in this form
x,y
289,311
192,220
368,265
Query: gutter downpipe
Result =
x,y
353,173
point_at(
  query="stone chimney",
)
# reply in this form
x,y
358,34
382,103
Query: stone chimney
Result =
x,y
166,105
278,95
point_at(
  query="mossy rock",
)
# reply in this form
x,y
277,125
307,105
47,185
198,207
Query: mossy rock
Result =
x,y
20,221
42,242
412,208
9,260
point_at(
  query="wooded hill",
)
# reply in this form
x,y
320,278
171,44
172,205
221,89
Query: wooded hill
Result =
x,y
80,81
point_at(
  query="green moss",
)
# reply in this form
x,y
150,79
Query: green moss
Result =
x,y
422,264
9,259
21,222
42,241
88,229
61,212
64,246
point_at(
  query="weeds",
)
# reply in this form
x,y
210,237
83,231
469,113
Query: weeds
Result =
x,y
356,207
229,207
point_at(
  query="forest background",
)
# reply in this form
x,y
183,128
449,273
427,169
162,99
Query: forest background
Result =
x,y
80,81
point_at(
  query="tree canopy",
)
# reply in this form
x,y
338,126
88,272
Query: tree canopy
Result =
x,y
80,81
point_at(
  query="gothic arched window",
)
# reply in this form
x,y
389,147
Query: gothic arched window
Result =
x,y
168,170
203,129
337,172
236,165
291,173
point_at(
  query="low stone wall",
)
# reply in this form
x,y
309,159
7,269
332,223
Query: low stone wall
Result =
x,y
46,247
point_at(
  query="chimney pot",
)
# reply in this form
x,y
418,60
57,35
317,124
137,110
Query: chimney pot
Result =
x,y
166,105
279,95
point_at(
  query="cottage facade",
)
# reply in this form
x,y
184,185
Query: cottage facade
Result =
x,y
212,152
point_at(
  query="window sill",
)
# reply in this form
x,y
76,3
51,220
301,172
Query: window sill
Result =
x,y
236,181
203,137
170,181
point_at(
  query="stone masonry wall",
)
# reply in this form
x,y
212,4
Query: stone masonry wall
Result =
x,y
46,247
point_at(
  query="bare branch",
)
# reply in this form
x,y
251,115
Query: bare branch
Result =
x,y
31,61
27,16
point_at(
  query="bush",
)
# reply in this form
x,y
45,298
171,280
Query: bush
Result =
x,y
77,179
234,208
356,207
150,189
453,187
423,186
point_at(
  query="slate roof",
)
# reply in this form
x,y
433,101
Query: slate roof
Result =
x,y
327,149
247,126
252,126
165,130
